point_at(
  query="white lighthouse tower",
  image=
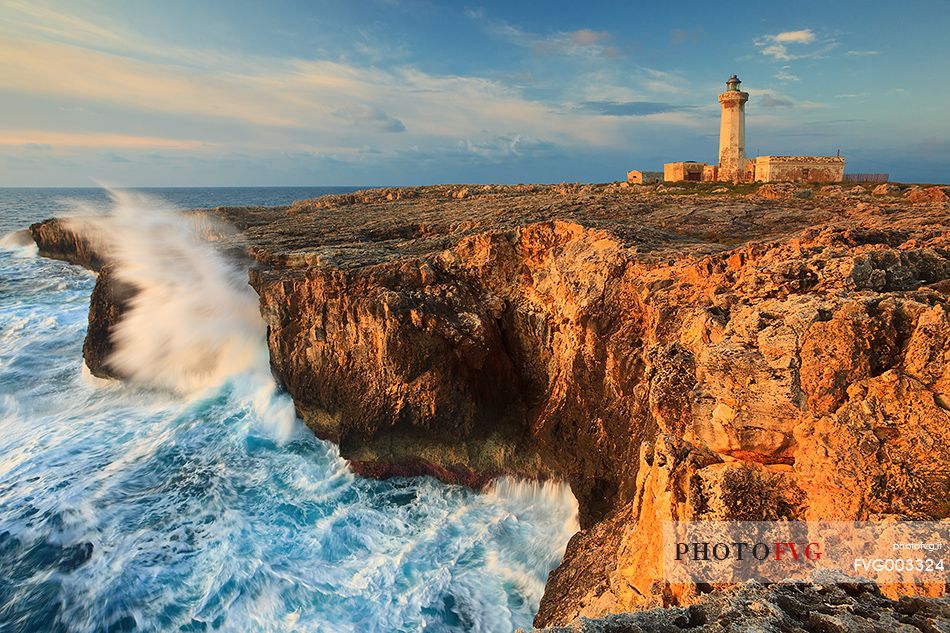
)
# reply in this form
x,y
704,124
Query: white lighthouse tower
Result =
x,y
732,132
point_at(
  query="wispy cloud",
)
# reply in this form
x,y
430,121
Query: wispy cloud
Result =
x,y
112,157
631,108
505,146
277,102
34,18
771,101
73,71
352,111
862,53
662,81
785,75
792,45
579,43
371,118
44,139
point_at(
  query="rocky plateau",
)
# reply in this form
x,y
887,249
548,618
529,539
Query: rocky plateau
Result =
x,y
673,353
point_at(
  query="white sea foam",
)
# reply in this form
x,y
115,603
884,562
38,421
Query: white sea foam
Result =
x,y
193,322
20,243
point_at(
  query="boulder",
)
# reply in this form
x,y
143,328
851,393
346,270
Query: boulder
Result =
x,y
928,195
886,189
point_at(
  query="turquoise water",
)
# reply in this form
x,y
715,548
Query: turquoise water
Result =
x,y
125,507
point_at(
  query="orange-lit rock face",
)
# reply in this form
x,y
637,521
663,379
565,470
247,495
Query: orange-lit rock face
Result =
x,y
795,377
672,357
810,385
936,195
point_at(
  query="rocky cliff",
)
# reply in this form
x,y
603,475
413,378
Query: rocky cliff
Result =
x,y
56,239
672,353
838,608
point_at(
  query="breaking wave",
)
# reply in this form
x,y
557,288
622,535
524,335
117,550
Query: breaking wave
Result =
x,y
193,322
20,243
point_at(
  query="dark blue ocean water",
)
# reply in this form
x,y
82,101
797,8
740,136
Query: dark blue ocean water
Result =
x,y
125,507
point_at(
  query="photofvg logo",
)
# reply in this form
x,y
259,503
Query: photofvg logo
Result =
x,y
795,551
742,550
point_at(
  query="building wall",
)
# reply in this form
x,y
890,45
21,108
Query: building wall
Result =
x,y
749,171
635,177
684,170
799,169
866,177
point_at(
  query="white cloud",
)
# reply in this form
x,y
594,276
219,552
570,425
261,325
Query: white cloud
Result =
x,y
785,75
138,96
862,53
804,36
778,51
279,103
777,45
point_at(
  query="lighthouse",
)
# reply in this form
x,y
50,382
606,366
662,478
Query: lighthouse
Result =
x,y
735,167
732,132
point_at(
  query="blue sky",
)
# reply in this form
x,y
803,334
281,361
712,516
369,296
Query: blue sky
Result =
x,y
385,92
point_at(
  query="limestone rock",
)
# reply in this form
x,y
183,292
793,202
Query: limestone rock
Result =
x,y
57,239
804,192
886,189
658,380
844,608
776,190
928,195
110,299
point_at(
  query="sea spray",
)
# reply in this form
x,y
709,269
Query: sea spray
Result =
x,y
20,243
193,322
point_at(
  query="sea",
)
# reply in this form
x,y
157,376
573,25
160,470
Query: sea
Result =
x,y
190,498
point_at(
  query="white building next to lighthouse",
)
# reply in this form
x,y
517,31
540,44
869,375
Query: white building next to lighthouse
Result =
x,y
734,166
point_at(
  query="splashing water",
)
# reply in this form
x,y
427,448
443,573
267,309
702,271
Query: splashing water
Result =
x,y
193,322
188,508
19,243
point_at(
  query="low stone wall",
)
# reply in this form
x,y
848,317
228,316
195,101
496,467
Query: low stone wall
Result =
x,y
799,169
